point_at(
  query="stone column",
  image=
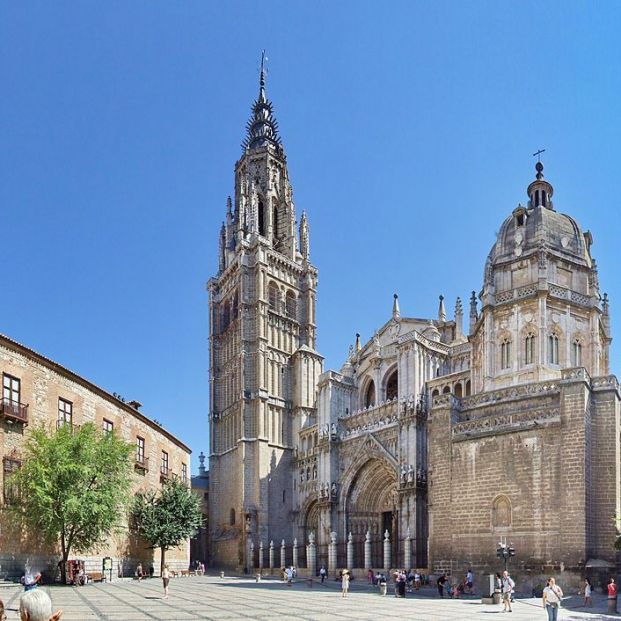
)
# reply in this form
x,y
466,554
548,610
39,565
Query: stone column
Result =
x,y
311,555
350,552
283,556
295,553
251,557
332,553
271,553
367,550
387,550
407,553
261,554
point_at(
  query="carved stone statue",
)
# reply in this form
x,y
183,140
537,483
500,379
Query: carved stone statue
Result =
x,y
333,537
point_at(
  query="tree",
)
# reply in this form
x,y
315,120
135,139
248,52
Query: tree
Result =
x,y
72,486
166,520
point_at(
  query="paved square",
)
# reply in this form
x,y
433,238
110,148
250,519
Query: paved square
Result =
x,y
233,599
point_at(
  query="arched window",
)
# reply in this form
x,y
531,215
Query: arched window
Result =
x,y
576,353
314,473
308,475
261,218
235,305
232,517
273,296
435,393
369,397
505,354
446,390
468,388
553,349
226,316
275,221
392,386
501,512
458,390
529,349
291,305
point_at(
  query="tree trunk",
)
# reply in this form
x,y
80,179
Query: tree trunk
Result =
x,y
65,555
162,563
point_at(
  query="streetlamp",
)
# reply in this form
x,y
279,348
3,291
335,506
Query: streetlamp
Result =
x,y
505,552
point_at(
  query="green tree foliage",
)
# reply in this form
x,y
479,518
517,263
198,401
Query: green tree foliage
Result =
x,y
167,519
73,485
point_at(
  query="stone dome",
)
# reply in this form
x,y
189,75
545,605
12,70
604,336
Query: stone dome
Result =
x,y
538,226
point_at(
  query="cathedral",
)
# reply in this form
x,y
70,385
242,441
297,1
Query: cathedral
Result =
x,y
435,440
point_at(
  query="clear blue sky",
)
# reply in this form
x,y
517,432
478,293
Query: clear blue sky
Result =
x,y
409,129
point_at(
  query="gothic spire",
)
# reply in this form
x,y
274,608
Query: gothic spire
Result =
x,y
262,127
441,310
396,312
304,236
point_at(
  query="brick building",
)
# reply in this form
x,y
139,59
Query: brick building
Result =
x,y
40,392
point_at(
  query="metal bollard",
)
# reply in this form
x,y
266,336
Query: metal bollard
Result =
x,y
221,574
258,578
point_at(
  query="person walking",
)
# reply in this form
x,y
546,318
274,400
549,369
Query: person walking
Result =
x,y
552,596
441,582
139,572
166,579
469,580
322,573
345,582
588,589
507,589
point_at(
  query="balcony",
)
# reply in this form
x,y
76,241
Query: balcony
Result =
x,y
166,474
141,463
13,411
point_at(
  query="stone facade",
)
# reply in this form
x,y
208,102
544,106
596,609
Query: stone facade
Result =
x,y
263,366
432,443
39,392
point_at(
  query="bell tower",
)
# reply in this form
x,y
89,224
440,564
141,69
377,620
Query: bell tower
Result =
x,y
263,365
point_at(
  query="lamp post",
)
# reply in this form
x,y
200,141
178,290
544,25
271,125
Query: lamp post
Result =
x,y
505,552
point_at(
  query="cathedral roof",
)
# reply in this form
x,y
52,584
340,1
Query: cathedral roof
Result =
x,y
538,226
262,127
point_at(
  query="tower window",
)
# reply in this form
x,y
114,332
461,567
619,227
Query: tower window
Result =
x,y
520,219
261,218
529,349
273,296
553,349
291,305
577,353
275,222
505,354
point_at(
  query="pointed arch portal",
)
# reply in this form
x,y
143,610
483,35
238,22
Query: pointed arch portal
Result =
x,y
372,505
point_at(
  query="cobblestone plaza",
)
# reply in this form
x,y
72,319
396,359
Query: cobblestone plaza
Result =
x,y
242,598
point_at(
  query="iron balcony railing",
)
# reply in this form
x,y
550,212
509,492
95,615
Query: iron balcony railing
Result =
x,y
13,411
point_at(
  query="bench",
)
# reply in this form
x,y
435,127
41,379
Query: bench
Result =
x,y
96,576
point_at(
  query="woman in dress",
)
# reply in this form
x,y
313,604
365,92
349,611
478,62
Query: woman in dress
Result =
x,y
345,582
166,579
587,592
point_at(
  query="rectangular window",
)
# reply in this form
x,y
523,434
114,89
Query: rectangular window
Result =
x,y
140,450
164,463
184,473
505,355
65,412
577,351
10,491
553,349
529,357
108,426
10,389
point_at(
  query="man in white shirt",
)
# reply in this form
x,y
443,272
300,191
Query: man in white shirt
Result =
x,y
507,588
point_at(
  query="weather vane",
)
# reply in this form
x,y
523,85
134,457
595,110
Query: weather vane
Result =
x,y
538,154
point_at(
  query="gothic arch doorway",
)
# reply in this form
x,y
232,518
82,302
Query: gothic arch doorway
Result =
x,y
372,505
